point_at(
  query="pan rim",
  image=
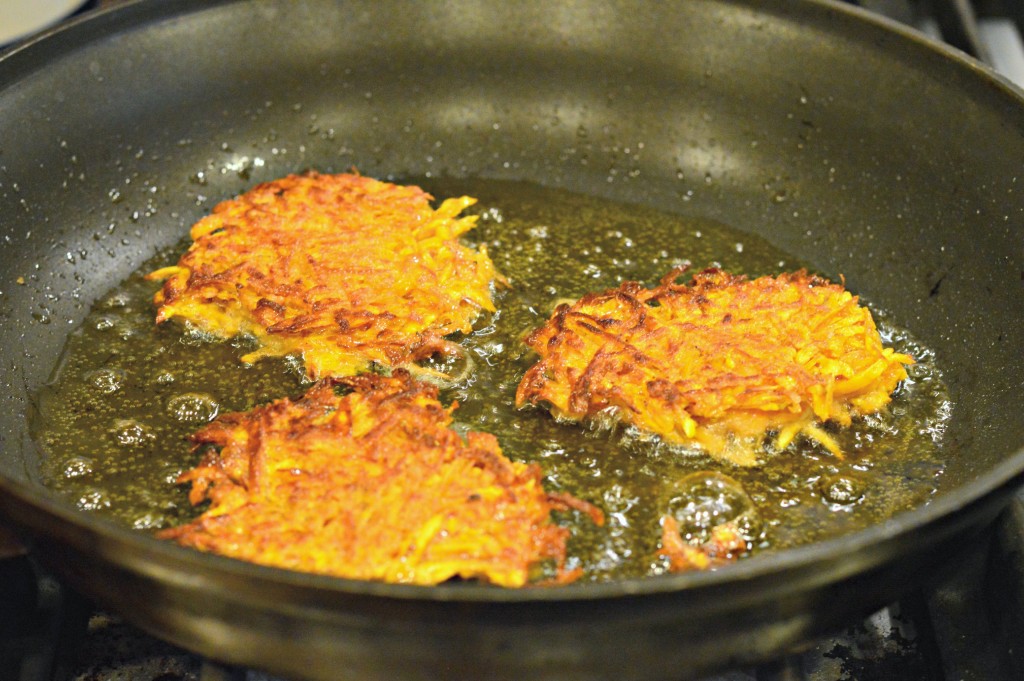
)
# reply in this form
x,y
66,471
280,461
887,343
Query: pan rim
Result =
x,y
83,30
162,555
80,30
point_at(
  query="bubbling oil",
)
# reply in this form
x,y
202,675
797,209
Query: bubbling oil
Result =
x,y
114,422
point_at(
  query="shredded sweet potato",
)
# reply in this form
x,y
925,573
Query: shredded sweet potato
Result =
x,y
344,269
716,363
724,546
372,485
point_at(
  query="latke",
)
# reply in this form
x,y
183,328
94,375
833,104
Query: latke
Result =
x,y
373,484
717,363
342,269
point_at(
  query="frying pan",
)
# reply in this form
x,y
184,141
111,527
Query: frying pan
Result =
x,y
859,147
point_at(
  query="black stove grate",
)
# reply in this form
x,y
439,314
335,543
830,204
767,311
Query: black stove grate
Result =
x,y
989,30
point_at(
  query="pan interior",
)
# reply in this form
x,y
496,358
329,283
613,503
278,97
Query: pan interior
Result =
x,y
114,424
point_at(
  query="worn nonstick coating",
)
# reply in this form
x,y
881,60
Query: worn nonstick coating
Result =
x,y
858,147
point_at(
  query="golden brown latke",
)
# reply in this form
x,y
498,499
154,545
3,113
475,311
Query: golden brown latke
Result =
x,y
371,485
716,363
344,269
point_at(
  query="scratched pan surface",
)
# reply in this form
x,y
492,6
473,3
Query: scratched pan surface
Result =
x,y
857,147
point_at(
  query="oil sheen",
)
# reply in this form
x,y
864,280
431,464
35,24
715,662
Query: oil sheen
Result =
x,y
114,422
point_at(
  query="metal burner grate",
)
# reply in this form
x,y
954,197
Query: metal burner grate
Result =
x,y
990,30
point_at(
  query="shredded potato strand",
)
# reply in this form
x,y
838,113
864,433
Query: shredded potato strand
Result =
x,y
725,545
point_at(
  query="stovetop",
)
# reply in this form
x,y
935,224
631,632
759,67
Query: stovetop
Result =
x,y
965,624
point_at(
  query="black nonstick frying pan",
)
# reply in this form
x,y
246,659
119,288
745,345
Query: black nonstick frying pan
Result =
x,y
901,165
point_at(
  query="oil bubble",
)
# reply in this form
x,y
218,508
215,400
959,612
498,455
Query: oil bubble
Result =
x,y
171,474
704,500
447,371
116,301
131,433
93,500
842,490
78,466
107,380
193,408
149,521
193,337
